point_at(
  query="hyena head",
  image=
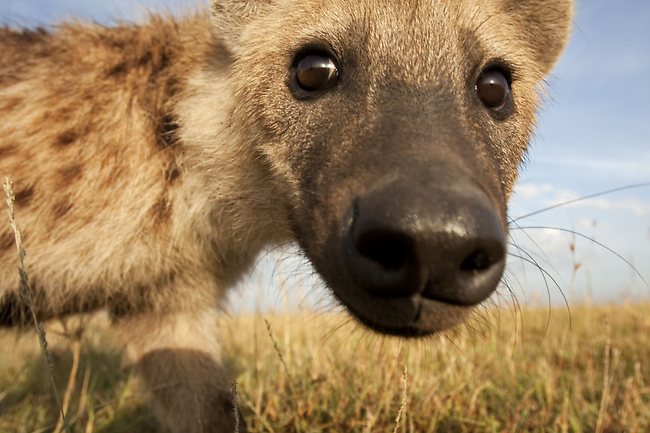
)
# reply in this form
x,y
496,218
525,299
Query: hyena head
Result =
x,y
393,130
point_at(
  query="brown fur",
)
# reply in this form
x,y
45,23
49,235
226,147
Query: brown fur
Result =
x,y
153,162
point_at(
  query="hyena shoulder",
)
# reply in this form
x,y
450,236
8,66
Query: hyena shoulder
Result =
x,y
90,134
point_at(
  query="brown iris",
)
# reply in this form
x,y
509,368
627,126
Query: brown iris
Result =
x,y
316,72
493,89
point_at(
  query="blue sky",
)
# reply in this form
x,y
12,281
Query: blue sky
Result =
x,y
593,135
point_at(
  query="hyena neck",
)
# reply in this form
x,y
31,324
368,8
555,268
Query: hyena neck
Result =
x,y
235,201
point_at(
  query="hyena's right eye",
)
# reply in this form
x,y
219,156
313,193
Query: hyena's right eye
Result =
x,y
314,72
493,88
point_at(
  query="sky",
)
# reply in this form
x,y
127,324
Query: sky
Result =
x,y
593,136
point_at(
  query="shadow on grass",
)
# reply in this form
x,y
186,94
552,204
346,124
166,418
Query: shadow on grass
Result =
x,y
106,394
136,419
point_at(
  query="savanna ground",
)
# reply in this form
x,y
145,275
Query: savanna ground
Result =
x,y
529,371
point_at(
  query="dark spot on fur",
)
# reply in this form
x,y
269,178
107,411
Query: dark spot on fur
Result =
x,y
70,174
24,196
67,138
118,70
13,311
29,36
166,131
139,298
172,87
154,62
172,173
11,104
144,59
61,208
164,61
162,210
7,241
7,150
116,43
158,64
119,306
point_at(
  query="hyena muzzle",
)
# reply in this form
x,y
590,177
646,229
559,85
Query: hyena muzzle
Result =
x,y
153,162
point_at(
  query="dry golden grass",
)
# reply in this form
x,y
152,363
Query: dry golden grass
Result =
x,y
319,373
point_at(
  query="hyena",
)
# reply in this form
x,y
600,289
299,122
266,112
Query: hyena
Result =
x,y
153,162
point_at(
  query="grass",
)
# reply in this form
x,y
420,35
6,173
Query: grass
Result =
x,y
307,372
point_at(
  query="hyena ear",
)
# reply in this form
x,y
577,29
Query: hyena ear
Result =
x,y
545,25
230,18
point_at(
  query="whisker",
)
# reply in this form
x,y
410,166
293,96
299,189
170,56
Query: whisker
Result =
x,y
519,316
512,279
536,264
600,244
545,274
548,290
534,242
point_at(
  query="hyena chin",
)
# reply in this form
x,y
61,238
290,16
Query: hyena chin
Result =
x,y
153,162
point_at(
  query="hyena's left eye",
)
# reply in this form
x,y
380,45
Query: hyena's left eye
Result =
x,y
315,72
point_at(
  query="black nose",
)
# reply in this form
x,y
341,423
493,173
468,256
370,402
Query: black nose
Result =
x,y
445,244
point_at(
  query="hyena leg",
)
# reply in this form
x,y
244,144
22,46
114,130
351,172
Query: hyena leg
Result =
x,y
179,359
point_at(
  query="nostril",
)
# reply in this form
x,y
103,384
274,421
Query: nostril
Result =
x,y
477,261
392,251
382,260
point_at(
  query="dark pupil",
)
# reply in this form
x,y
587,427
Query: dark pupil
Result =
x,y
493,89
314,72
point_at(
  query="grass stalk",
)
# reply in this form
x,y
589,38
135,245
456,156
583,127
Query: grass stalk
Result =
x,y
27,296
402,406
235,404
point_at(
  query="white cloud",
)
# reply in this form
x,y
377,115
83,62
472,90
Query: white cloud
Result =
x,y
628,205
546,191
637,167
